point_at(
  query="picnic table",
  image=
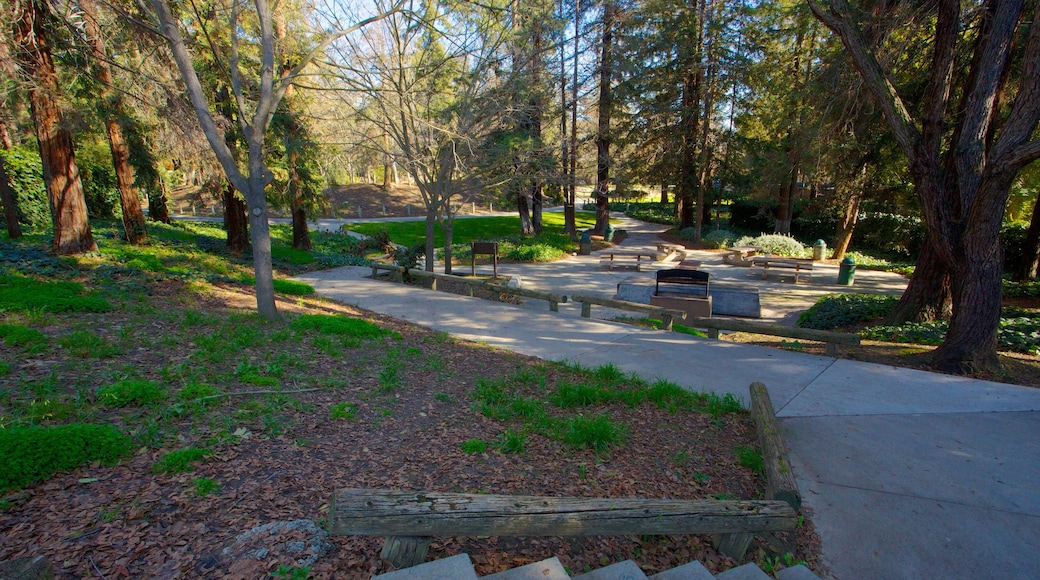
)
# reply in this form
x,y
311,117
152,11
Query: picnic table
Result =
x,y
738,255
796,264
625,258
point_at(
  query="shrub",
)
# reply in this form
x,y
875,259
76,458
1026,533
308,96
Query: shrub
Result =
x,y
131,392
25,173
22,294
99,180
29,454
1019,334
776,244
689,234
839,310
719,238
179,461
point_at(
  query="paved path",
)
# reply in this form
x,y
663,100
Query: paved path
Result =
x,y
908,474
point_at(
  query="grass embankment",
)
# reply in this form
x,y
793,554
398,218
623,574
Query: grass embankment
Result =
x,y
470,229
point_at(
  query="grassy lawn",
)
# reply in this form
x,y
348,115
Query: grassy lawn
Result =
x,y
471,229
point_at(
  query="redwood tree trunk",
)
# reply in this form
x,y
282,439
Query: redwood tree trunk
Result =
x,y
72,234
606,97
7,196
524,210
133,215
157,210
300,234
235,221
846,225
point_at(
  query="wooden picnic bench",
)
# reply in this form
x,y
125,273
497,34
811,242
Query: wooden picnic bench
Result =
x,y
410,519
625,259
668,250
738,255
683,289
797,264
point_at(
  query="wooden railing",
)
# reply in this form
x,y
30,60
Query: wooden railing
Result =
x,y
668,315
833,339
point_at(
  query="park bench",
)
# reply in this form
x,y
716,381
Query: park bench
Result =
x,y
738,255
683,289
410,519
797,264
667,250
625,259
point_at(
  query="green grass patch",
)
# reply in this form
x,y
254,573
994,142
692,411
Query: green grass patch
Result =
x,y
86,344
339,325
205,486
345,411
29,454
751,458
5,368
473,446
282,286
512,441
470,229
180,461
131,392
31,340
22,294
597,433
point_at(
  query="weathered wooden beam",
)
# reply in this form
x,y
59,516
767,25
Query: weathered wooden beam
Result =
x,y
388,512
587,299
827,336
780,482
405,551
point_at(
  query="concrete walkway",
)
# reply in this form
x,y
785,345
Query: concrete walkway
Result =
x,y
908,474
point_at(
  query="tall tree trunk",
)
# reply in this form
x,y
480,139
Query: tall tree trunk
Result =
x,y
1026,269
523,209
537,113
606,97
235,221
846,224
927,296
664,194
569,226
72,234
157,200
301,234
431,249
688,173
130,201
7,196
573,173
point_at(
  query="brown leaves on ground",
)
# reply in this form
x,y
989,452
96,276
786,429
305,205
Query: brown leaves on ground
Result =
x,y
279,458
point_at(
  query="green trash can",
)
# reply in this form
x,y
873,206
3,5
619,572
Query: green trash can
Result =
x,y
846,272
608,234
584,244
819,250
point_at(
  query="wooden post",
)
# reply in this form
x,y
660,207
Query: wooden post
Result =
x,y
554,306
405,551
780,482
713,333
832,349
666,322
586,310
733,545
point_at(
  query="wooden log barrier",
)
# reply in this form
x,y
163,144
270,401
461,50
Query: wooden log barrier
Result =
x,y
668,315
399,514
780,482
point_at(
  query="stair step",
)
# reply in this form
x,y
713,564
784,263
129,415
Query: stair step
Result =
x,y
454,568
799,572
550,569
745,572
627,570
692,571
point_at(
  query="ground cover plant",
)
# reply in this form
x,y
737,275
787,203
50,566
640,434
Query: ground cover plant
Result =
x,y
221,421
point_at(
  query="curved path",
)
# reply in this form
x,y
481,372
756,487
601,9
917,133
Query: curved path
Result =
x,y
908,474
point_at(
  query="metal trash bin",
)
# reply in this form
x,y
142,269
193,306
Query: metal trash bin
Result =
x,y
608,234
819,250
846,272
584,244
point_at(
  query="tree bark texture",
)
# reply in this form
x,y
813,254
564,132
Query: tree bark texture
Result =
x,y
606,98
129,200
7,195
962,178
846,225
927,296
72,234
157,200
235,222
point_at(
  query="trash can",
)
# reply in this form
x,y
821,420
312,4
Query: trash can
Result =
x,y
846,272
819,250
608,234
584,244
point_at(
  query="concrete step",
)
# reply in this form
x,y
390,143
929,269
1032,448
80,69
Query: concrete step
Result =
x,y
745,572
692,571
550,569
454,568
627,570
799,572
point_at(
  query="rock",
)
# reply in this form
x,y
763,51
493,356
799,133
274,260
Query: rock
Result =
x,y
30,568
514,282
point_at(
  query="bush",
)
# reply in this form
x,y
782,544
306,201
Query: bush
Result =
x,y
535,253
776,244
719,238
25,173
839,310
29,454
1019,334
689,234
130,392
99,180
889,233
